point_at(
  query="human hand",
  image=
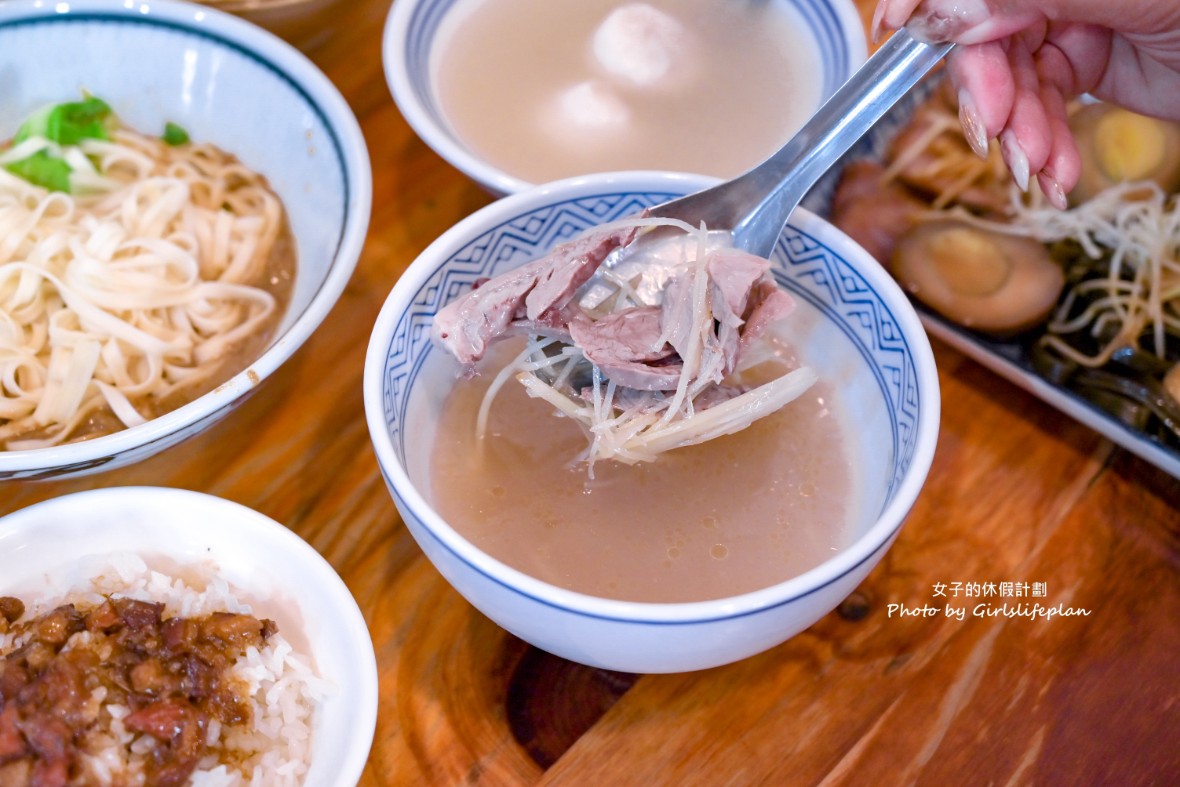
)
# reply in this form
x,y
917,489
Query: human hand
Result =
x,y
1019,61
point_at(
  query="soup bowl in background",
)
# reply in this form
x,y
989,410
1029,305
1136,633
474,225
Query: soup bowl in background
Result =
x,y
852,324
227,82
414,42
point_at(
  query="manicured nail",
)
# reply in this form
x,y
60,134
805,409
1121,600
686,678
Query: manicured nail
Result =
x,y
1052,191
1015,158
876,31
972,125
946,21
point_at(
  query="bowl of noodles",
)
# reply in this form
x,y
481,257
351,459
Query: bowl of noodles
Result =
x,y
648,504
135,617
184,197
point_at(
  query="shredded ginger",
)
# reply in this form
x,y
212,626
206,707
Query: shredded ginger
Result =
x,y
1135,228
642,372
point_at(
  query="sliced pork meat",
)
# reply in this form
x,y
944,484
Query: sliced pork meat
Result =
x,y
642,347
667,329
734,273
767,305
530,294
629,348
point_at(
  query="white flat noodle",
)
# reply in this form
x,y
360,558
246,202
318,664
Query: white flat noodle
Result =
x,y
126,273
24,149
120,405
70,370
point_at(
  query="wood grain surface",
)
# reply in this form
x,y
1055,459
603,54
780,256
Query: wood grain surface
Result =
x,y
1017,493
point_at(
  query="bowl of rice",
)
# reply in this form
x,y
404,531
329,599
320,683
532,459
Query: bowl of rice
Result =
x,y
202,641
184,197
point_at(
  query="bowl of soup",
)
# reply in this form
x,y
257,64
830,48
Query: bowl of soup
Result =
x,y
519,92
705,555
184,197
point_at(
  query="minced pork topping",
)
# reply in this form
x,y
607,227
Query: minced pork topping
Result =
x,y
76,682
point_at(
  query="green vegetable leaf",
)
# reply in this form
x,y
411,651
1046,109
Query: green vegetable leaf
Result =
x,y
69,123
66,124
35,125
174,134
44,170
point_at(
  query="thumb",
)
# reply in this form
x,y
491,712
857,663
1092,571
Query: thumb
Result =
x,y
961,21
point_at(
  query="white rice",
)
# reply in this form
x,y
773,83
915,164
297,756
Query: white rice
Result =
x,y
274,748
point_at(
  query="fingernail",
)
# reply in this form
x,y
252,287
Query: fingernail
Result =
x,y
947,21
875,29
1052,191
972,125
1015,158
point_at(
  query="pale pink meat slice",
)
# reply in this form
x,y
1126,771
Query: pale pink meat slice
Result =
x,y
529,294
639,348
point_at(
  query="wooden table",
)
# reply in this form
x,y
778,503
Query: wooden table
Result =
x,y
1017,493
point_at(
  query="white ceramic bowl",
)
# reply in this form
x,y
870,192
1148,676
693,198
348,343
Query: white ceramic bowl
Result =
x,y
410,56
227,82
853,324
265,564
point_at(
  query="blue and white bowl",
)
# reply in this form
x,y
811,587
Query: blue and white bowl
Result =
x,y
227,82
410,54
853,324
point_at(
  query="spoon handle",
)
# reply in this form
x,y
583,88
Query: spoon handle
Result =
x,y
755,206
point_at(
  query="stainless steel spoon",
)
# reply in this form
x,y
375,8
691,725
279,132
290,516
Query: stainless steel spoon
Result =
x,y
754,207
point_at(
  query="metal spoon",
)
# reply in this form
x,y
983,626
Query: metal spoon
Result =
x,y
754,207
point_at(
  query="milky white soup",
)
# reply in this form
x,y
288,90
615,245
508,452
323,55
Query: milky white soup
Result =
x,y
728,516
544,89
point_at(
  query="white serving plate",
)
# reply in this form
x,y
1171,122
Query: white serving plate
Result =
x,y
1073,405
